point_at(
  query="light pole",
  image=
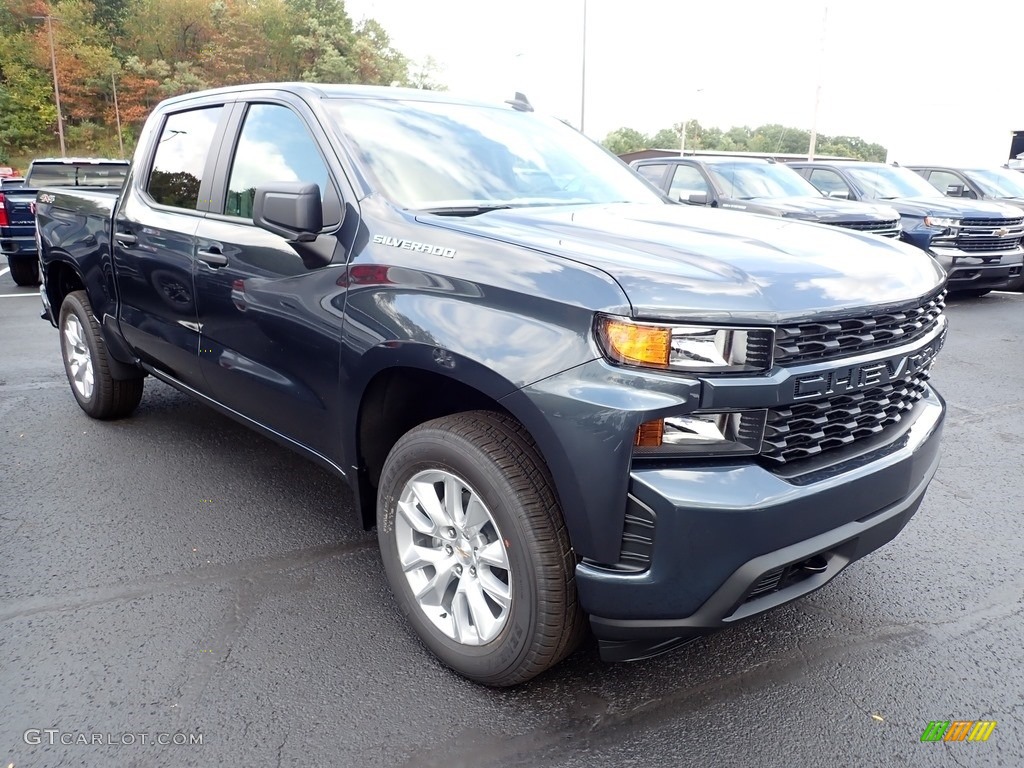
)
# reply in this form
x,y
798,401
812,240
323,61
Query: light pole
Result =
x,y
56,86
682,132
583,83
817,92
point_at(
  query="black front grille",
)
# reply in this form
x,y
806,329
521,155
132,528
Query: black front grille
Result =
x,y
978,235
806,429
992,222
812,342
884,228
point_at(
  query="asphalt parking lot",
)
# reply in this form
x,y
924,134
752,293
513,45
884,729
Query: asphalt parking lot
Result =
x,y
176,574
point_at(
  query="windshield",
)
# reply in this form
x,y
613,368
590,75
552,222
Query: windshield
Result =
x,y
997,182
425,155
884,182
746,180
76,175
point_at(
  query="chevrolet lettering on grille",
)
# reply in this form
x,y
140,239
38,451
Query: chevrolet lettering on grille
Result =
x,y
850,378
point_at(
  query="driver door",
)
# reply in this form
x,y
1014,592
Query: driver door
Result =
x,y
270,327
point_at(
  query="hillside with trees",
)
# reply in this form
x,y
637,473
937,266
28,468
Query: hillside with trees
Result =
x,y
766,138
151,49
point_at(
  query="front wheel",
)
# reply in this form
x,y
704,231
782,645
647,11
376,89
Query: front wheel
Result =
x,y
87,366
475,548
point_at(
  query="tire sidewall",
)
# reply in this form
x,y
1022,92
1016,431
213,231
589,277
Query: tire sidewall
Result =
x,y
71,306
435,449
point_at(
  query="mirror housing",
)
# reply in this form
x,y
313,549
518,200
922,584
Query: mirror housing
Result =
x,y
698,198
955,190
836,194
291,209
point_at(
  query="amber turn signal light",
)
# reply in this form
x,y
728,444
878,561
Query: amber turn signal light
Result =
x,y
636,343
649,434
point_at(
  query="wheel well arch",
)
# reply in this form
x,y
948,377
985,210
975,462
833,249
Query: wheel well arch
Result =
x,y
394,401
61,279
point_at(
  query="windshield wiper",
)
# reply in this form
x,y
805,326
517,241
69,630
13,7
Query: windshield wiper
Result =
x,y
465,210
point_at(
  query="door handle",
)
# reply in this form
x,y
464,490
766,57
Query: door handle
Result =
x,y
126,238
212,256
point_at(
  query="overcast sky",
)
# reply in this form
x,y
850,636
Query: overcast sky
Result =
x,y
933,82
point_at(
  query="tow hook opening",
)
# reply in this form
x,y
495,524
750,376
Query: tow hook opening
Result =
x,y
814,564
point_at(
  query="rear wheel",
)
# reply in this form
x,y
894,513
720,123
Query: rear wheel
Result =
x,y
475,548
87,365
24,271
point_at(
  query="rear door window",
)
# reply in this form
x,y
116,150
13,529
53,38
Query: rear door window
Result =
x,y
653,172
179,164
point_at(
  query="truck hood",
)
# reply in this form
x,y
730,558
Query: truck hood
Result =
x,y
1016,202
677,262
955,207
819,209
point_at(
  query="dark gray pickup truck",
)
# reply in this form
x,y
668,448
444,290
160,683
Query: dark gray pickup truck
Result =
x,y
560,398
761,185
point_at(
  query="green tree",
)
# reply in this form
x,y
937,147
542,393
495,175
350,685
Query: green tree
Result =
x,y
424,75
158,48
625,140
666,138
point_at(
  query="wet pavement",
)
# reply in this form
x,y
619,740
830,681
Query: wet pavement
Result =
x,y
176,577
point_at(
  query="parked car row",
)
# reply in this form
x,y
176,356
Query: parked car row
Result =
x,y
17,219
969,221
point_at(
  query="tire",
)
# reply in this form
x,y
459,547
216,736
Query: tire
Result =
x,y
497,463
976,293
24,272
86,363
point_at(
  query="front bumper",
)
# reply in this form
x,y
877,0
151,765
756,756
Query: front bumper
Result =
x,y
732,540
997,270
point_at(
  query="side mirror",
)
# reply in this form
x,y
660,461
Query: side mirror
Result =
x,y
955,190
698,198
838,194
291,209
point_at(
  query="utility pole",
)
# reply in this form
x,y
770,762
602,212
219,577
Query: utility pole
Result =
x,y
682,133
56,86
817,92
117,115
583,84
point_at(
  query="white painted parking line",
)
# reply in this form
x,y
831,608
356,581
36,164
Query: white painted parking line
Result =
x,y
15,295
4,271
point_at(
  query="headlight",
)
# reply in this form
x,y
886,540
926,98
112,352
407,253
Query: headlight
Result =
x,y
941,223
703,434
692,348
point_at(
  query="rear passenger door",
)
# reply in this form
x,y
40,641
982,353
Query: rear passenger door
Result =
x,y
271,328
155,240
